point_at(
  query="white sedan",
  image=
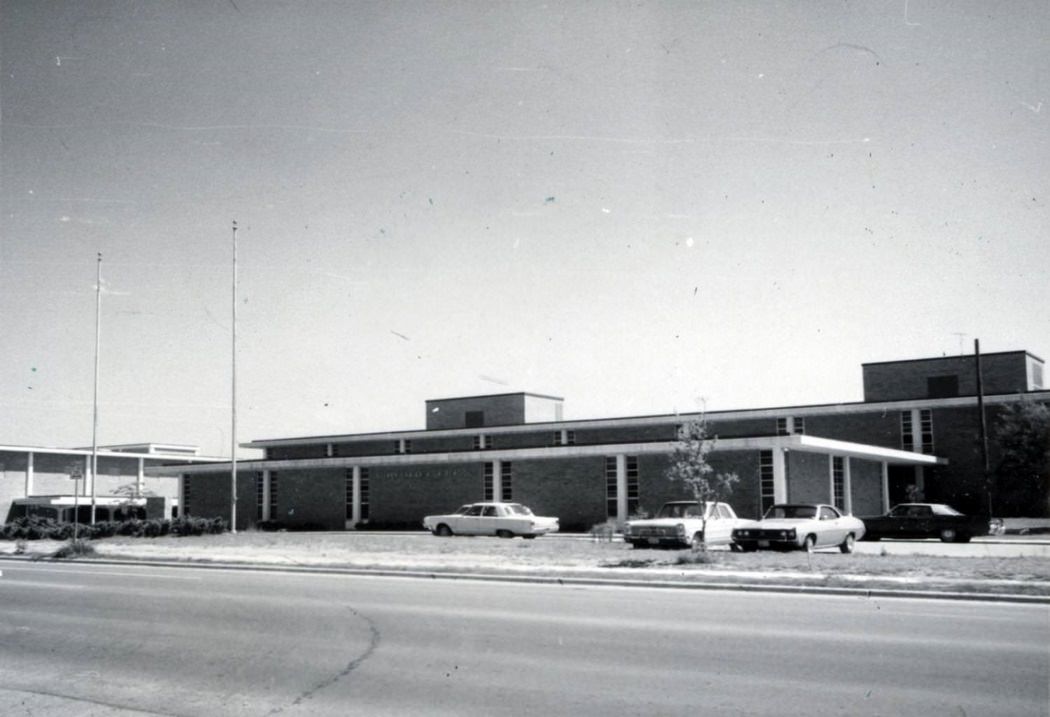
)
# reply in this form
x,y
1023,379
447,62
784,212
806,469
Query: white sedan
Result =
x,y
504,520
806,526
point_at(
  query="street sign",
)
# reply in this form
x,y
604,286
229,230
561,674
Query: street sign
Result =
x,y
76,472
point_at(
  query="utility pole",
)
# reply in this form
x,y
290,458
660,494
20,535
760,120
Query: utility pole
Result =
x,y
233,396
98,345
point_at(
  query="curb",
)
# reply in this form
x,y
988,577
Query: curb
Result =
x,y
569,581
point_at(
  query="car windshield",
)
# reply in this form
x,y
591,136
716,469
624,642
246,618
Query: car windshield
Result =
x,y
461,510
791,511
679,510
517,509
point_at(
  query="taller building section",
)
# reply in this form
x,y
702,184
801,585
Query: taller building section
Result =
x,y
505,409
951,376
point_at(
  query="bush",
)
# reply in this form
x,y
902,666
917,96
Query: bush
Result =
x,y
37,528
74,549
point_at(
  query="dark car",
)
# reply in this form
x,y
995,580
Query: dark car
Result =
x,y
929,520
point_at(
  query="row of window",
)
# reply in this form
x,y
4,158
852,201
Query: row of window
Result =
x,y
923,438
612,495
362,486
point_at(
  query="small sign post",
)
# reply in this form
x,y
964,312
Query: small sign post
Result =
x,y
76,473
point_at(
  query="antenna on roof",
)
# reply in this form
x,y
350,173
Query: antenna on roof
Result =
x,y
962,338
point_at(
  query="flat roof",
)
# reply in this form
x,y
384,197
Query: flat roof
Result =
x,y
799,442
496,395
773,412
106,453
957,356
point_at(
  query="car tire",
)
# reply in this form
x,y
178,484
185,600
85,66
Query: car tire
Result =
x,y
948,535
736,548
443,531
810,543
847,545
697,542
504,534
529,537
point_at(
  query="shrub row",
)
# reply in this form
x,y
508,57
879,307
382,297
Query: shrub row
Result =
x,y
37,528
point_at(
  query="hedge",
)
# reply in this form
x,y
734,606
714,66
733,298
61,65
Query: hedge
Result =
x,y
38,528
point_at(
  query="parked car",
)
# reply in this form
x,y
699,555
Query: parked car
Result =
x,y
801,526
504,520
679,524
930,520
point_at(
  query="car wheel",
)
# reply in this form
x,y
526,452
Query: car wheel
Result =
x,y
504,534
810,543
697,542
736,548
847,544
948,535
443,530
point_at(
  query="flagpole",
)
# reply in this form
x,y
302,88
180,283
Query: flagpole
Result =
x,y
233,396
98,344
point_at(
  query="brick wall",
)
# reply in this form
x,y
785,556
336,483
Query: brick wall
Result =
x,y
573,490
809,477
877,428
313,499
403,495
366,448
500,410
902,380
866,484
627,434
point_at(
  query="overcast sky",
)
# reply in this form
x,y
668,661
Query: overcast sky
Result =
x,y
642,207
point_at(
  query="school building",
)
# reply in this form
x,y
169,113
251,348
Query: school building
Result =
x,y
916,433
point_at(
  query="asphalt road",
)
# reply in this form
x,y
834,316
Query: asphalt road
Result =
x,y
77,639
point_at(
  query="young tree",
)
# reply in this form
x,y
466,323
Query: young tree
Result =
x,y
690,467
1022,435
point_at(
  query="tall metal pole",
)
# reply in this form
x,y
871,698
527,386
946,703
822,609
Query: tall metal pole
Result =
x,y
233,397
98,346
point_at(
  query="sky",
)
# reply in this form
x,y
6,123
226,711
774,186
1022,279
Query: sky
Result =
x,y
642,207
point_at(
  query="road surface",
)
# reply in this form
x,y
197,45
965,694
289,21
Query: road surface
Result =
x,y
78,639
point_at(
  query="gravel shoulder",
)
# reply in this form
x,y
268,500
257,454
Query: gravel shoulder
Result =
x,y
565,557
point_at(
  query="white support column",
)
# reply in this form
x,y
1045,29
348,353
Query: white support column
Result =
x,y
497,481
885,487
29,474
182,496
140,478
355,510
780,486
89,478
916,430
621,489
